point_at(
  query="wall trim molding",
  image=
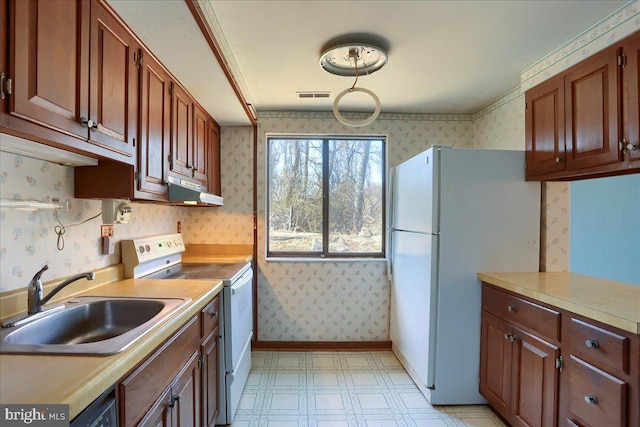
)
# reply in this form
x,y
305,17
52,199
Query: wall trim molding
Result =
x,y
610,30
321,345
324,115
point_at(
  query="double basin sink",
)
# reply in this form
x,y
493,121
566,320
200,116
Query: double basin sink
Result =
x,y
87,325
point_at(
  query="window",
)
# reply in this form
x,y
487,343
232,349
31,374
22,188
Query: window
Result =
x,y
325,196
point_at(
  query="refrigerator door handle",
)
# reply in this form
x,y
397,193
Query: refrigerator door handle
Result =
x,y
390,254
390,224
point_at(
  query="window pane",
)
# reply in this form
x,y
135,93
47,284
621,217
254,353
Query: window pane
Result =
x,y
355,196
295,195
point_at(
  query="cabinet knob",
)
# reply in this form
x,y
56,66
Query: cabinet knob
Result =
x,y
591,399
510,337
213,313
592,344
512,308
633,146
559,159
88,123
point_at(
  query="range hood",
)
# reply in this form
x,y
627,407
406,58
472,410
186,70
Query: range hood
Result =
x,y
188,193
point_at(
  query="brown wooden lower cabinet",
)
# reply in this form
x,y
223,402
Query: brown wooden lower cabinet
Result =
x,y
179,404
518,374
177,385
586,375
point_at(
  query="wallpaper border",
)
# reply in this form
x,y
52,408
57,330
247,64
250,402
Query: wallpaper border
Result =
x,y
262,114
616,26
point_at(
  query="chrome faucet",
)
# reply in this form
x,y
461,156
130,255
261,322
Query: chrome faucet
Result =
x,y
35,290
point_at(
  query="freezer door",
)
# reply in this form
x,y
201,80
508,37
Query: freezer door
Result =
x,y
415,193
414,302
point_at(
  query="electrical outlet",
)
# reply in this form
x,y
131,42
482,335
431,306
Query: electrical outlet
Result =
x,y
106,231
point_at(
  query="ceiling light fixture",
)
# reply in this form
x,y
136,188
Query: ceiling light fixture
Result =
x,y
352,60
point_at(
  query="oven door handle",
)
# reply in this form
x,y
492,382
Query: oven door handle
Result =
x,y
242,282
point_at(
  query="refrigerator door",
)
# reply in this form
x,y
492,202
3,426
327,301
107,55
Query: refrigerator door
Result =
x,y
415,193
413,303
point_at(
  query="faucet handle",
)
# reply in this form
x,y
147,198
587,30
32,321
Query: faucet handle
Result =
x,y
38,275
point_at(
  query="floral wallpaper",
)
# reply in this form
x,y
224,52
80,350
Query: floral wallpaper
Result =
x,y
337,301
500,125
28,239
233,222
555,223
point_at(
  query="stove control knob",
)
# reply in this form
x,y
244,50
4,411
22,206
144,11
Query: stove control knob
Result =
x,y
147,248
169,244
141,249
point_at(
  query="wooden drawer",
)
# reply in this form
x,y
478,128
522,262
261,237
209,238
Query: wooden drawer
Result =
x,y
602,348
210,316
513,309
138,391
596,397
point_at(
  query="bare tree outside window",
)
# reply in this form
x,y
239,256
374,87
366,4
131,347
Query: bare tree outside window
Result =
x,y
326,196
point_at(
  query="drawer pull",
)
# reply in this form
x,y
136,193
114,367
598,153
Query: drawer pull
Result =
x,y
510,337
592,344
512,308
213,313
591,399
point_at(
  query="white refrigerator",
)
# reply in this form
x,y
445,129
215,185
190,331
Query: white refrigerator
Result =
x,y
454,212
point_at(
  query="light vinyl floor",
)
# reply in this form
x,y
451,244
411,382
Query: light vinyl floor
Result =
x,y
343,389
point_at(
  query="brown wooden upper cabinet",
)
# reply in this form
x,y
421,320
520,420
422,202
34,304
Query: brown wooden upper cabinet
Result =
x,y
190,138
574,121
113,83
631,105
155,129
200,163
75,77
215,181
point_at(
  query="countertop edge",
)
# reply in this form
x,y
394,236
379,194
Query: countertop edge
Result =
x,y
564,303
119,364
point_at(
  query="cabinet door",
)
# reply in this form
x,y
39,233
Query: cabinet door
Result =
x,y
50,63
495,363
200,162
181,128
155,127
210,379
631,75
592,93
186,394
215,180
535,381
544,124
160,413
113,83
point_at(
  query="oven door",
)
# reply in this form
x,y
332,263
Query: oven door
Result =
x,y
238,312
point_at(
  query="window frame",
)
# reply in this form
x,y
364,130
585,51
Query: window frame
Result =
x,y
325,254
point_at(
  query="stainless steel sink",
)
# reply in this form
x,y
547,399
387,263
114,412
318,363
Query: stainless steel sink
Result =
x,y
87,325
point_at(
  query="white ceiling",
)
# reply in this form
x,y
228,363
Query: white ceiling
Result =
x,y
444,56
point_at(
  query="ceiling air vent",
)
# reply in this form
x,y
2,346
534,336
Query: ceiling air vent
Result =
x,y
314,94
